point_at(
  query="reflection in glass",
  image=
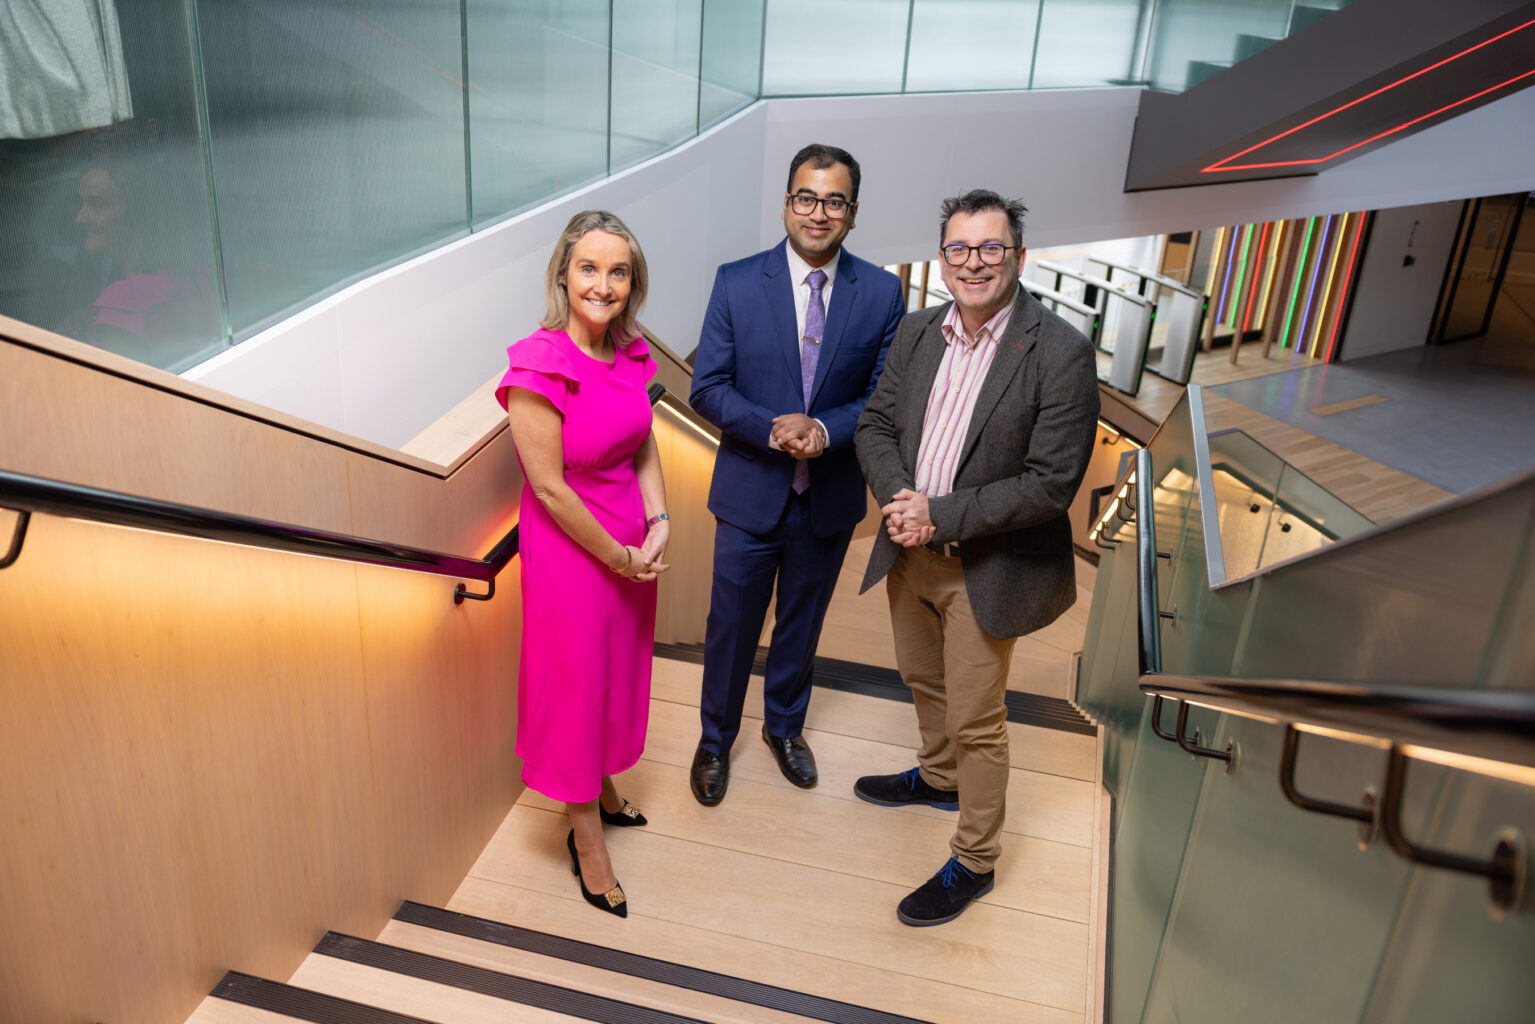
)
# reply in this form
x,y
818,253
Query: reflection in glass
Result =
x,y
337,137
538,100
655,78
157,301
61,69
1197,38
105,233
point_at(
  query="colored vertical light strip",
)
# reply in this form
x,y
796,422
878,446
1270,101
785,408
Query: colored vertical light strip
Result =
x,y
1348,275
1247,318
1236,294
1316,270
1273,271
1300,272
1231,255
1215,255
1327,282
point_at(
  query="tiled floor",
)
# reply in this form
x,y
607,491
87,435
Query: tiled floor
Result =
x,y
1446,418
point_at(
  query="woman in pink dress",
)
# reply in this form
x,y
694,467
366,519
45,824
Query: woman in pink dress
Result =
x,y
594,530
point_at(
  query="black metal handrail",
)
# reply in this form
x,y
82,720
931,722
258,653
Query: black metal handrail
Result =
x,y
1492,725
26,494
661,395
35,494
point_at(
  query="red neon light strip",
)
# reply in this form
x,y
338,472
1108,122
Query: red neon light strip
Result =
x,y
1355,102
1247,319
1348,274
1382,135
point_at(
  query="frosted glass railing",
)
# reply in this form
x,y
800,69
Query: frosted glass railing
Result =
x,y
278,151
1195,39
1268,510
1440,600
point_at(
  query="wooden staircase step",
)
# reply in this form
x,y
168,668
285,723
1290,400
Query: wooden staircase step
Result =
x,y
933,995
245,998
681,988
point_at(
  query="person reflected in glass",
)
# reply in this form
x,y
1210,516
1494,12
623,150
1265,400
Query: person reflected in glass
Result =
x,y
594,531
156,303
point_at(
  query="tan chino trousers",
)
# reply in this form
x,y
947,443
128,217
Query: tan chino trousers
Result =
x,y
957,673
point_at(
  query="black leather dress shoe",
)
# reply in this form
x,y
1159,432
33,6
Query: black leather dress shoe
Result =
x,y
793,756
709,776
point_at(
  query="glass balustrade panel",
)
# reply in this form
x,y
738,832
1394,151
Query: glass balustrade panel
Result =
x,y
1278,916
1246,477
971,44
654,92
731,62
1203,632
1509,663
1451,956
1155,811
854,46
538,100
106,233
1194,39
1085,43
1305,516
1110,663
337,135
1417,604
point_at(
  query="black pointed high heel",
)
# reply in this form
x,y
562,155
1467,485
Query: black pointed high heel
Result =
x,y
627,816
612,901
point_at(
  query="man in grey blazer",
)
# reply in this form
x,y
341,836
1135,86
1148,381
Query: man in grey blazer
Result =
x,y
974,443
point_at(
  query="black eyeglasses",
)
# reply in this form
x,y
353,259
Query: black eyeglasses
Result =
x,y
992,253
804,205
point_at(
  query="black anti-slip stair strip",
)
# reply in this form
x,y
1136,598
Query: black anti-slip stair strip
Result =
x,y
482,980
649,968
301,1003
872,681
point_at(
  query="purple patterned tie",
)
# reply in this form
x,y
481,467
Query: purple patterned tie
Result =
x,y
810,353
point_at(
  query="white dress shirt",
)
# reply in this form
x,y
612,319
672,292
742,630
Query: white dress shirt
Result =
x,y
799,270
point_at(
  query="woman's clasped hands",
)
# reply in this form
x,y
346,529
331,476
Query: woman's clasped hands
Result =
x,y
647,562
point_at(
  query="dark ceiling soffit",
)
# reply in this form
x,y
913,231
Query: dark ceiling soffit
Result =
x,y
1387,106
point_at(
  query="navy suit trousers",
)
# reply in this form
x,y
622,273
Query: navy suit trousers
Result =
x,y
746,566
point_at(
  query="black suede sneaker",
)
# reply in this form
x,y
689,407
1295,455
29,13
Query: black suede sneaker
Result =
x,y
944,896
904,788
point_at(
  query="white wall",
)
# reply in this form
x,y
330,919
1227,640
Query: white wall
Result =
x,y
384,358
1393,303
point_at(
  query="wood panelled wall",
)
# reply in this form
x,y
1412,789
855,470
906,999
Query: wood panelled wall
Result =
x,y
687,460
211,754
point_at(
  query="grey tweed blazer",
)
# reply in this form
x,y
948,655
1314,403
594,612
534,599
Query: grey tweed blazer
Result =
x,y
1023,458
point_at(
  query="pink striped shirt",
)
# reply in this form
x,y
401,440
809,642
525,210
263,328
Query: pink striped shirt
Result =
x,y
952,401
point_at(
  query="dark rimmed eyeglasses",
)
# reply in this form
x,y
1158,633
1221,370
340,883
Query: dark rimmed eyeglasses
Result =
x,y
992,253
804,205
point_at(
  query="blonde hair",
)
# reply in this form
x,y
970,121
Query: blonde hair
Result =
x,y
557,316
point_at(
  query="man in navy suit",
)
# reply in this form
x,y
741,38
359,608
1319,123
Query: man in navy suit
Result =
x,y
793,342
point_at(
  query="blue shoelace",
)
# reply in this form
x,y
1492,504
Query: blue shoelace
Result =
x,y
951,869
910,777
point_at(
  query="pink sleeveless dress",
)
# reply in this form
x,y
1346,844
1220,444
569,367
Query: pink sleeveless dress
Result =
x,y
583,696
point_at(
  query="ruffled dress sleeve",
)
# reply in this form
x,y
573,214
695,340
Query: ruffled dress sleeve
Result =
x,y
537,364
638,349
